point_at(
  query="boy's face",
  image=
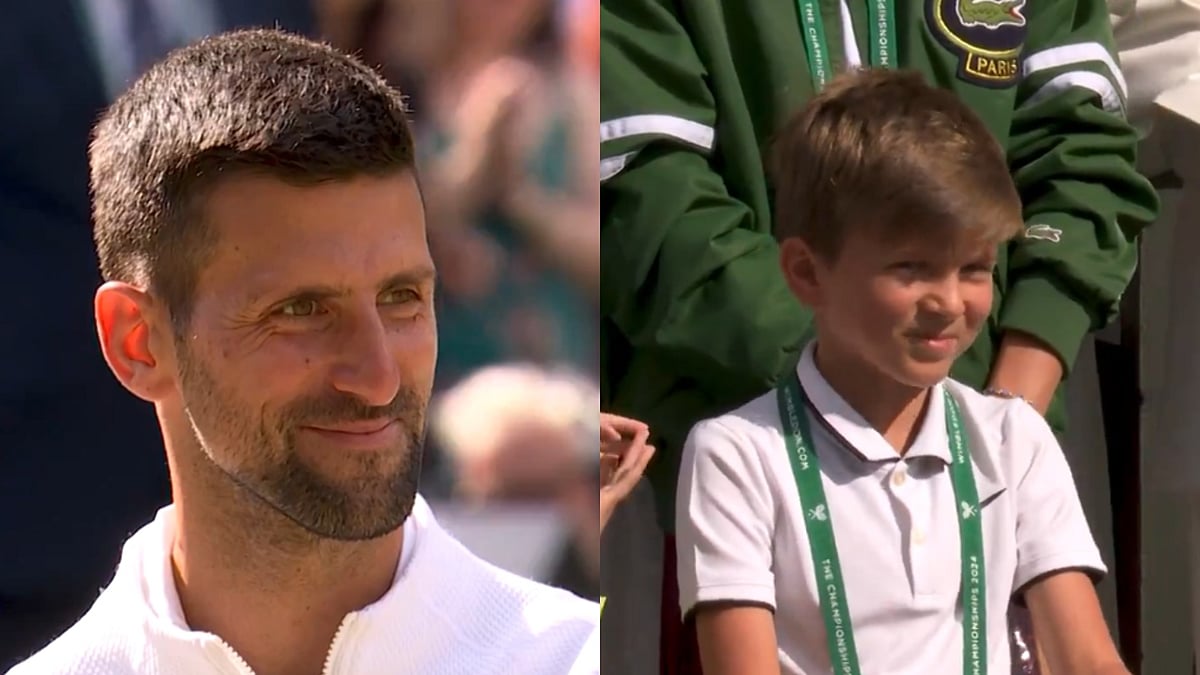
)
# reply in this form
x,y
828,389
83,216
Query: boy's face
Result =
x,y
907,308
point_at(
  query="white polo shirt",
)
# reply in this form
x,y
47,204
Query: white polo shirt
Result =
x,y
740,533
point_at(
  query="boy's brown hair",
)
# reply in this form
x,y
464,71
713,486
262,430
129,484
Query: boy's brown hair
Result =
x,y
884,150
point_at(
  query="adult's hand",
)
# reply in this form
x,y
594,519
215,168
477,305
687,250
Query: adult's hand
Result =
x,y
624,454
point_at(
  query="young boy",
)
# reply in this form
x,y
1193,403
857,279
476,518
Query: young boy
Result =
x,y
872,516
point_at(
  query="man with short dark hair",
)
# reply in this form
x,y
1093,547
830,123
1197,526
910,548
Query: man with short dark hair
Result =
x,y
269,289
75,451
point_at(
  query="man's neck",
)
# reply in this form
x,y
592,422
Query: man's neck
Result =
x,y
272,591
893,409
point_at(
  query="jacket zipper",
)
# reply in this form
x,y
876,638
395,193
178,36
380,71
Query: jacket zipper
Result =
x,y
238,661
338,638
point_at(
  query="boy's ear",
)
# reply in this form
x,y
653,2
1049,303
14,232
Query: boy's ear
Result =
x,y
800,268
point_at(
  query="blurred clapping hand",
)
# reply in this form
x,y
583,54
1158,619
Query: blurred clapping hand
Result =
x,y
624,454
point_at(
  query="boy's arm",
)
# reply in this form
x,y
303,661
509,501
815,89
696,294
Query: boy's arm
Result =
x,y
1070,627
737,639
1057,558
688,274
1072,153
724,520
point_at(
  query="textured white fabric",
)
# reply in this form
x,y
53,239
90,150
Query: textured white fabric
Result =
x,y
447,613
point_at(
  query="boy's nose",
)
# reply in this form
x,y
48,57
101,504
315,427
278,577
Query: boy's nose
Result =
x,y
944,298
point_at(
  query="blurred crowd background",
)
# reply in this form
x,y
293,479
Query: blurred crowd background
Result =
x,y
504,104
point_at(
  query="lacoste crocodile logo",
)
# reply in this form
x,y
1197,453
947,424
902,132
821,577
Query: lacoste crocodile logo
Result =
x,y
990,14
1044,232
986,37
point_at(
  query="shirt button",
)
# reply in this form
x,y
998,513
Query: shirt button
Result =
x,y
918,536
899,476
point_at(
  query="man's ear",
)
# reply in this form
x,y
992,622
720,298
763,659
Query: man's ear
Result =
x,y
800,268
135,340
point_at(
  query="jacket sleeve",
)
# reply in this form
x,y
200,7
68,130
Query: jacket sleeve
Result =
x,y
690,274
1073,158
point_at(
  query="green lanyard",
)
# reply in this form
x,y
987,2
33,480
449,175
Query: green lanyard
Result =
x,y
818,522
883,25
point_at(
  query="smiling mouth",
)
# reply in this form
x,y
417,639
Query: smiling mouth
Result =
x,y
934,338
358,428
938,343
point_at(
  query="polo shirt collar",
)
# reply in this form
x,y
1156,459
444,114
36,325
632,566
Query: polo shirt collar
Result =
x,y
856,436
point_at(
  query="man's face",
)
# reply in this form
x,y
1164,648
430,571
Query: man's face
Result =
x,y
908,308
309,357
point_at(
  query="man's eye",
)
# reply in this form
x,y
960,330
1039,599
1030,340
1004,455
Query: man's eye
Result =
x,y
398,296
300,308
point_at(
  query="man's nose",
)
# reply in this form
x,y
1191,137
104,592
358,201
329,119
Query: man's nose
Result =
x,y
366,367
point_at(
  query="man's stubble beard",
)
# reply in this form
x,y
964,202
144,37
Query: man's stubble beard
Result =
x,y
261,459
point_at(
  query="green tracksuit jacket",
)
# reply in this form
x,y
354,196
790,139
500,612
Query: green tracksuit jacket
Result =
x,y
696,317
